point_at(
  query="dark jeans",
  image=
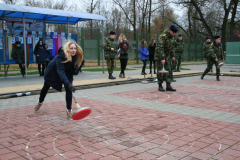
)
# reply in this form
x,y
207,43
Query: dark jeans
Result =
x,y
43,68
123,64
68,95
144,65
154,65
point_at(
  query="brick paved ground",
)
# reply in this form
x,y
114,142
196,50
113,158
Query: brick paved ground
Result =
x,y
134,121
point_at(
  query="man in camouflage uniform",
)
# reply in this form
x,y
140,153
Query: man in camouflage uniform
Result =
x,y
164,49
110,51
179,48
18,55
215,53
205,49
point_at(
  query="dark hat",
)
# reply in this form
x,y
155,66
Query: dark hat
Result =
x,y
217,36
179,35
18,42
112,33
208,37
174,28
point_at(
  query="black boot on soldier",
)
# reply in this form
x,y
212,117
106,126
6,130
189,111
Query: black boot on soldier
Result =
x,y
202,76
110,76
218,79
169,88
160,87
178,70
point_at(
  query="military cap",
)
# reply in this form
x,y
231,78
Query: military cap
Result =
x,y
174,28
18,42
208,37
179,35
217,36
112,33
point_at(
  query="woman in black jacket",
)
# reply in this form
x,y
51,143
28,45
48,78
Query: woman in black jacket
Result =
x,y
60,71
40,53
151,49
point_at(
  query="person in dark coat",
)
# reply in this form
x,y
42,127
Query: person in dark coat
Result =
x,y
123,45
60,71
151,49
49,56
143,55
40,53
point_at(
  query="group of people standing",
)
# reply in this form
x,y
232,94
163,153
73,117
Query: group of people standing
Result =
x,y
43,56
70,57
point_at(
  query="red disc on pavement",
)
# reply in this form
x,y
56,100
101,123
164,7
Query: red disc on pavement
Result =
x,y
81,113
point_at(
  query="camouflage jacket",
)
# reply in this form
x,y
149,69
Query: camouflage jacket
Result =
x,y
179,46
108,44
205,49
215,51
164,46
17,53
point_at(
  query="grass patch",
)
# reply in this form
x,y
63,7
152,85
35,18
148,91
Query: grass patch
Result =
x,y
185,69
152,68
105,69
18,74
16,68
234,71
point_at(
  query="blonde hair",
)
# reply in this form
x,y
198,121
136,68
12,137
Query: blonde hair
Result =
x,y
79,53
120,39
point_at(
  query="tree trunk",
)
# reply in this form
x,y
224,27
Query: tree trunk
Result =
x,y
149,18
225,20
134,19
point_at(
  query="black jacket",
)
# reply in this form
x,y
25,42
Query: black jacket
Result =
x,y
58,73
40,55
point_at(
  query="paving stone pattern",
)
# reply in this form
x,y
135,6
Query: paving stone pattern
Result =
x,y
132,121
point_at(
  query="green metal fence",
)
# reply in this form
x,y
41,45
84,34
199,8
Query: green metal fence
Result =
x,y
90,39
233,46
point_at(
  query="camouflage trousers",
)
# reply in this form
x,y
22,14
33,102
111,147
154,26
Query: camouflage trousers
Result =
x,y
211,62
160,75
208,61
110,64
21,63
178,60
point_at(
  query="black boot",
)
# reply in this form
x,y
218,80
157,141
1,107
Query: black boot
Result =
x,y
110,76
218,79
178,70
150,72
169,88
22,71
154,72
160,88
202,76
80,69
174,70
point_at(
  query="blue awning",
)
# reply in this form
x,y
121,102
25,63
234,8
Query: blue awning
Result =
x,y
48,15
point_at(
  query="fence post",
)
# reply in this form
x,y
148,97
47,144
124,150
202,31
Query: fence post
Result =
x,y
148,38
82,39
98,45
137,46
195,49
189,48
202,51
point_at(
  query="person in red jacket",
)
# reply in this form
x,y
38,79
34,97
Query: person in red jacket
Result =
x,y
123,53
